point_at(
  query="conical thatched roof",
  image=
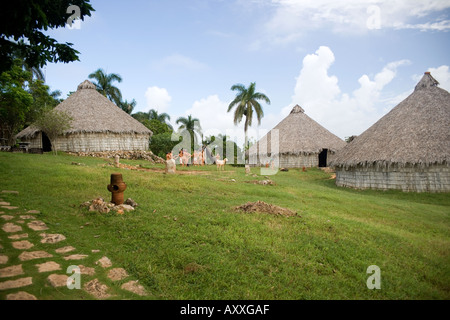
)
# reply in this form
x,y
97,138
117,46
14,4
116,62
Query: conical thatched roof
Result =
x,y
299,134
93,112
416,131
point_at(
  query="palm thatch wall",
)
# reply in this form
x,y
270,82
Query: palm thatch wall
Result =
x,y
407,149
300,142
98,125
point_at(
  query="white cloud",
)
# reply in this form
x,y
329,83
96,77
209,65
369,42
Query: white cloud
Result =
x,y
342,113
292,18
157,98
442,75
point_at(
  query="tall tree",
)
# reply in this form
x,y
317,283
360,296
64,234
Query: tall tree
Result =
x,y
246,103
161,117
105,85
127,106
192,126
22,23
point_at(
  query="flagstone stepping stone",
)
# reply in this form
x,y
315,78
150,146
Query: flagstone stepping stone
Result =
x,y
76,257
11,271
10,191
11,227
3,259
65,249
95,251
57,280
86,270
18,236
3,203
10,207
27,217
21,295
18,283
33,211
48,266
37,225
31,255
7,217
134,287
22,245
117,274
104,262
97,289
52,238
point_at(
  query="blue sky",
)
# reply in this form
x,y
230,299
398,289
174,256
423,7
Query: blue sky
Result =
x,y
346,63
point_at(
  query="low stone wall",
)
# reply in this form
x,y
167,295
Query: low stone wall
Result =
x,y
434,178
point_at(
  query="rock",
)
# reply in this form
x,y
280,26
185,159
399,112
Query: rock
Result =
x,y
18,283
52,238
57,280
3,259
65,249
86,270
123,207
21,295
97,289
33,211
11,227
171,166
6,217
18,236
117,274
27,217
48,266
37,225
10,191
75,257
22,245
134,287
104,262
131,202
27,255
10,207
11,271
3,203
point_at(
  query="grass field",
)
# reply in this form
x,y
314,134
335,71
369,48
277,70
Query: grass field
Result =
x,y
186,241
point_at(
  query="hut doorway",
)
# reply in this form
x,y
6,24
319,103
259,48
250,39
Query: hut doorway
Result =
x,y
323,158
46,144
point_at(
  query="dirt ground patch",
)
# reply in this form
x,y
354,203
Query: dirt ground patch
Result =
x,y
262,207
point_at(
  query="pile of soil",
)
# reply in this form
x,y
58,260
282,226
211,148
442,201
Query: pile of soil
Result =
x,y
262,207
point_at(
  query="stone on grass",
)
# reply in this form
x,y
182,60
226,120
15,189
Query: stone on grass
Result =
x,y
27,255
18,283
10,191
18,236
117,274
3,259
11,271
10,207
86,270
52,238
4,203
21,295
37,225
97,289
27,217
65,249
57,280
22,245
11,227
104,262
48,266
134,287
33,211
6,217
75,257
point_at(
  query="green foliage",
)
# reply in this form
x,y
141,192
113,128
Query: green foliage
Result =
x,y
192,127
162,143
21,26
53,123
43,99
15,101
105,85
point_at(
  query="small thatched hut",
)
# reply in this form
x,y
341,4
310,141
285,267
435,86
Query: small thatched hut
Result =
x,y
302,142
407,149
98,125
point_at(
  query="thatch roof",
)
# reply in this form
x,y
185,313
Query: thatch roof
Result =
x,y
416,131
93,113
299,134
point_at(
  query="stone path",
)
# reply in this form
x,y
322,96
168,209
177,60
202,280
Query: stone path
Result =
x,y
18,226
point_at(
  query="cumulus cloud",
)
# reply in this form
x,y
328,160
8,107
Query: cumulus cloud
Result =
x,y
291,18
442,75
157,98
342,113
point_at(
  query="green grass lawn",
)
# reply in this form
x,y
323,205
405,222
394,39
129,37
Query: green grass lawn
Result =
x,y
186,241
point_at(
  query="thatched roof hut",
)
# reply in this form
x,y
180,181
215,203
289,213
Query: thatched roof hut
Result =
x,y
302,142
98,125
407,149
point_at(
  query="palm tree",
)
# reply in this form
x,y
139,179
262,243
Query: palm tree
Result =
x,y
127,106
105,85
191,125
246,102
161,117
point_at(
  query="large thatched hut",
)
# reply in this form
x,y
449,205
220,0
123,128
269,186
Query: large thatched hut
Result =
x,y
98,125
407,149
302,142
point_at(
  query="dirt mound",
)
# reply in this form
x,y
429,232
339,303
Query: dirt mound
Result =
x,y
262,207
